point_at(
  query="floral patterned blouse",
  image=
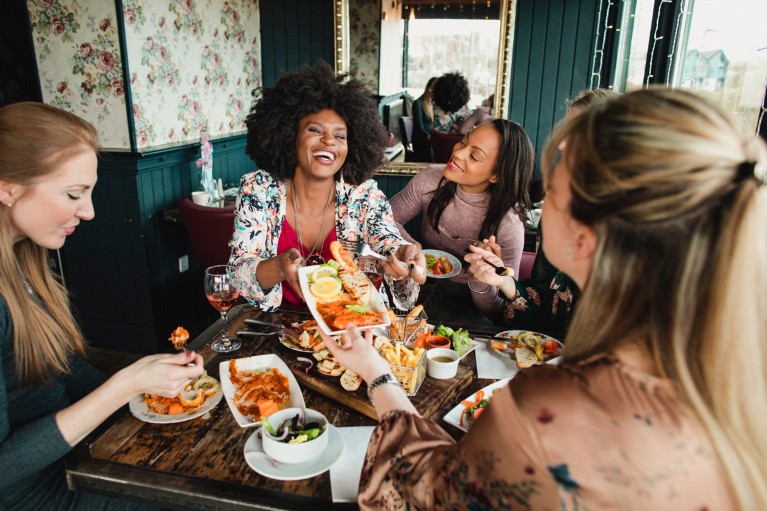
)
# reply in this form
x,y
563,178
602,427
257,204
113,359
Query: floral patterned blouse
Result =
x,y
545,301
450,122
362,212
599,435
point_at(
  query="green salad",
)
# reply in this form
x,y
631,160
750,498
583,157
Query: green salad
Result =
x,y
459,338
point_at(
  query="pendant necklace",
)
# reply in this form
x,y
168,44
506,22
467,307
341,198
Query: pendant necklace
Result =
x,y
314,257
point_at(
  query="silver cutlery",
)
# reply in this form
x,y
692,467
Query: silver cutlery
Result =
x,y
447,234
362,249
499,270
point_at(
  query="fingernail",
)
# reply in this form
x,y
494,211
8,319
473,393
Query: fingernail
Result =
x,y
484,241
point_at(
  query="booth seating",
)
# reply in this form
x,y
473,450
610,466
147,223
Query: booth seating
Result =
x,y
442,145
209,230
526,265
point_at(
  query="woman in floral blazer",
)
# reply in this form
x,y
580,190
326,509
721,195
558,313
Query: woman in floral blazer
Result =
x,y
318,139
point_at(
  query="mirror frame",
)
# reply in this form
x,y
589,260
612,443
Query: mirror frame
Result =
x,y
508,9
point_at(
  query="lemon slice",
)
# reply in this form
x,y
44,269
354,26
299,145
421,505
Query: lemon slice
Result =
x,y
325,288
325,271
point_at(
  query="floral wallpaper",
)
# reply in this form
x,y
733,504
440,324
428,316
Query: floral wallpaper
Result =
x,y
79,64
192,65
364,38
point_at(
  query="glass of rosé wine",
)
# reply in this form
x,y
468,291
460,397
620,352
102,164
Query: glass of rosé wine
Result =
x,y
222,294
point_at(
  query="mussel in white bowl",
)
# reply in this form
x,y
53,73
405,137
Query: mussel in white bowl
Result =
x,y
294,435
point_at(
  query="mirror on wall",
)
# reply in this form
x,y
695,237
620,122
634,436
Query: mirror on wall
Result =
x,y
363,52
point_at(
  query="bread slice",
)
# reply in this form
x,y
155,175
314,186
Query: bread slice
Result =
x,y
525,357
357,285
350,380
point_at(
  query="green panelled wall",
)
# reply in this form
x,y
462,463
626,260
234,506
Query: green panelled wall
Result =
x,y
122,267
553,44
294,32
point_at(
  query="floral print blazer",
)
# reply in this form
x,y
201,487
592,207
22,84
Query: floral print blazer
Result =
x,y
362,213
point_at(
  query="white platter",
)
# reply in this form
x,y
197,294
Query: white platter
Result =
x,y
450,257
141,411
253,363
258,461
376,304
453,417
508,334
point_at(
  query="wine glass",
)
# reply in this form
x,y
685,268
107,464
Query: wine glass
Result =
x,y
222,294
372,271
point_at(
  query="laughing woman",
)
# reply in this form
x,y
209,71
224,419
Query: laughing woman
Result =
x,y
318,140
50,398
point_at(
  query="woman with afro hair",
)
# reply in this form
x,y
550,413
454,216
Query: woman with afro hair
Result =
x,y
316,139
451,95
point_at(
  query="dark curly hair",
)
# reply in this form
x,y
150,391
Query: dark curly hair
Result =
x,y
273,121
451,92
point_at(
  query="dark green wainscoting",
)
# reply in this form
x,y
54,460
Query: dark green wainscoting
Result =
x,y
122,268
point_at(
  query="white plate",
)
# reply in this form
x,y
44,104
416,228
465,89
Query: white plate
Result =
x,y
289,342
472,346
140,410
508,334
454,416
293,472
450,257
376,304
249,364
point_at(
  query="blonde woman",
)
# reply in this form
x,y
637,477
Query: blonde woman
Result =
x,y
423,122
50,398
656,210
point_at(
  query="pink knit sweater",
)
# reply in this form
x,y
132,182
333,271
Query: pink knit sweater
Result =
x,y
462,217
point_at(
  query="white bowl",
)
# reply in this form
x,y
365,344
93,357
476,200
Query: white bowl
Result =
x,y
294,453
441,369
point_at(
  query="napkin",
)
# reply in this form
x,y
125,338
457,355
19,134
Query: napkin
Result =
x,y
345,473
493,366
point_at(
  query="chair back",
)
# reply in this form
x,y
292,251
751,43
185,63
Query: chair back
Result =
x,y
209,230
442,145
526,265
406,128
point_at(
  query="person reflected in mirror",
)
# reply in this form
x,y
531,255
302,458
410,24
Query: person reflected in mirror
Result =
x,y
451,97
482,114
482,194
656,211
423,122
50,397
546,300
317,139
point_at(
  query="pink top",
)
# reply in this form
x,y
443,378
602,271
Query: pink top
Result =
x,y
288,240
462,217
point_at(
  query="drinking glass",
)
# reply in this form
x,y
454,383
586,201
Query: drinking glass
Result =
x,y
222,294
372,271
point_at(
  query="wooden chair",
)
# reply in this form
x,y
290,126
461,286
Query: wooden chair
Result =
x,y
209,231
406,129
442,145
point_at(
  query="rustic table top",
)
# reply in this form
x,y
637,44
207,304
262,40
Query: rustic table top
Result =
x,y
199,464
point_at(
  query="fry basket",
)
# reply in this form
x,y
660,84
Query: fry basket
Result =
x,y
411,378
405,329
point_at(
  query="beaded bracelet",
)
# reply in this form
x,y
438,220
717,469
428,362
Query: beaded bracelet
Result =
x,y
381,380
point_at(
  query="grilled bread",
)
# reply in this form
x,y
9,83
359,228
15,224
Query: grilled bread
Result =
x,y
357,285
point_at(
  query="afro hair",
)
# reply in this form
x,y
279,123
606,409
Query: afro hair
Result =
x,y
451,92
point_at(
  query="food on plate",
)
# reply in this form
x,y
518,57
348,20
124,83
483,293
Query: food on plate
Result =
x,y
474,408
179,338
343,257
325,288
438,265
461,342
192,397
357,285
529,348
340,314
309,338
329,269
350,380
295,430
259,392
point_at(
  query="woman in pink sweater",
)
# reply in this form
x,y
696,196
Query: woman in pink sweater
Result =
x,y
481,193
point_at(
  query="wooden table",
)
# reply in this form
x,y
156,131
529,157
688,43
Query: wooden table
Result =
x,y
199,464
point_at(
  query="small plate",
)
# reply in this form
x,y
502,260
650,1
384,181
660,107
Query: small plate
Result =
x,y
293,472
472,346
507,334
450,257
376,304
290,343
140,410
249,364
453,417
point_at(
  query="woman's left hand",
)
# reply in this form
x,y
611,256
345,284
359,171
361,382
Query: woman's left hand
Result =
x,y
416,264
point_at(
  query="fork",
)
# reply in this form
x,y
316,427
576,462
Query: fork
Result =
x,y
362,249
447,234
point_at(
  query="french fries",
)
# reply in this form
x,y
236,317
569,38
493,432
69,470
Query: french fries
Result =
x,y
406,363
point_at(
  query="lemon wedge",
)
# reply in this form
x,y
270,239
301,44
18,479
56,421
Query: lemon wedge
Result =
x,y
325,288
325,271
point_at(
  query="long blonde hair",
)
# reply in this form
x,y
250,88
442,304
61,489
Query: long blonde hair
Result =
x,y
674,189
34,138
428,97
